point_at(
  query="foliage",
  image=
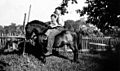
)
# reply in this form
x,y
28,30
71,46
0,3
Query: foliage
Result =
x,y
91,31
114,31
69,25
12,29
64,5
102,13
84,28
1,29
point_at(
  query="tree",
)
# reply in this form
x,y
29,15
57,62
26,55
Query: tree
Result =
x,y
12,28
6,30
19,30
1,30
102,13
69,25
64,5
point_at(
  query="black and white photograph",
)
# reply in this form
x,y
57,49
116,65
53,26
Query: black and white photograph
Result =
x,y
59,35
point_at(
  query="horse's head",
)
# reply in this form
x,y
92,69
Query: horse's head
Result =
x,y
37,27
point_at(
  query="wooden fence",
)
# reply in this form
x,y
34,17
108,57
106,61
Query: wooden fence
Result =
x,y
99,43
87,43
5,39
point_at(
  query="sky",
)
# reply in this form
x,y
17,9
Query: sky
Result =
x,y
12,11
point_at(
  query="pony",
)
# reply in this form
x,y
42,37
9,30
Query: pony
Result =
x,y
35,31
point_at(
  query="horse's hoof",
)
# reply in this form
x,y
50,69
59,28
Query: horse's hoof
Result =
x,y
75,61
44,61
55,52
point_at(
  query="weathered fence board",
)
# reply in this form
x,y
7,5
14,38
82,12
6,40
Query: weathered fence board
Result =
x,y
4,39
87,43
98,43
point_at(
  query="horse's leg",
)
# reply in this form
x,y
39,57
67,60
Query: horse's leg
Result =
x,y
75,44
71,47
74,49
43,58
56,46
55,51
75,53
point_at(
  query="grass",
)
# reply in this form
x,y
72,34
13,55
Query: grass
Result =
x,y
87,62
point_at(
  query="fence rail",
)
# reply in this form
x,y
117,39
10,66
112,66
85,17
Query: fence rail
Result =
x,y
87,43
99,43
5,39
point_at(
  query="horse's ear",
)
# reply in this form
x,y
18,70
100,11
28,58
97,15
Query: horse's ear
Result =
x,y
49,27
48,23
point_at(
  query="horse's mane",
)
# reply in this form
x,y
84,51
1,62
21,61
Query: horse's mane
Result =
x,y
37,22
37,27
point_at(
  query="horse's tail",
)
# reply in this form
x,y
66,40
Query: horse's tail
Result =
x,y
75,51
76,37
79,39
